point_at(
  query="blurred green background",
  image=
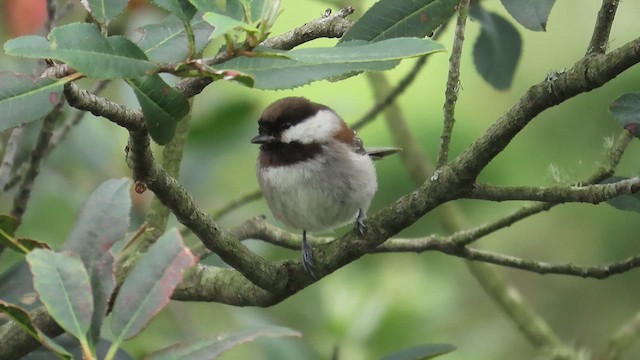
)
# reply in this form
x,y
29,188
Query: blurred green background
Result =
x,y
387,302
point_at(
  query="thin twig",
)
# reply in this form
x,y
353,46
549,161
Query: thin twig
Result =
x,y
57,138
51,15
453,85
593,194
237,203
24,190
518,309
8,160
390,97
624,338
602,29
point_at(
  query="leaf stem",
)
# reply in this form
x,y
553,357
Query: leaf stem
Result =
x,y
190,39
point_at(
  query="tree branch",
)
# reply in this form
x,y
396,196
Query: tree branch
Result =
x,y
587,74
9,157
602,29
622,339
593,194
453,84
35,161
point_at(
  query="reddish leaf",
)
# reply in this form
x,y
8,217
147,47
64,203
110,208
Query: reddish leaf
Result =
x,y
149,286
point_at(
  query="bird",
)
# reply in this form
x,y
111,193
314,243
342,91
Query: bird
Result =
x,y
313,169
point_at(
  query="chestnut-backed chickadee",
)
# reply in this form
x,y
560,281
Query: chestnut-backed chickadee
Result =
x,y
313,169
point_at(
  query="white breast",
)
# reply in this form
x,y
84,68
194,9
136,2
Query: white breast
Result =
x,y
322,193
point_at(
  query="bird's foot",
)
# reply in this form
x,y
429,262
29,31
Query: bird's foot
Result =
x,y
360,226
307,256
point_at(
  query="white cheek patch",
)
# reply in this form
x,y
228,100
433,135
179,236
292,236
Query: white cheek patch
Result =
x,y
318,128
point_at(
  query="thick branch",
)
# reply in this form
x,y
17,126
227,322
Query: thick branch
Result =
x,y
586,75
172,195
83,100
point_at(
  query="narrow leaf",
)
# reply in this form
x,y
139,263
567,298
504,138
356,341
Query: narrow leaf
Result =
x,y
22,244
83,47
22,317
63,286
8,224
626,202
183,9
497,50
421,352
103,220
533,15
23,99
235,9
385,50
162,105
223,24
104,10
16,286
149,286
207,6
214,346
166,41
289,69
279,73
626,109
401,18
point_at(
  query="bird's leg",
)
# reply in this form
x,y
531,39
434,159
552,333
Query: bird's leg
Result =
x,y
360,226
307,255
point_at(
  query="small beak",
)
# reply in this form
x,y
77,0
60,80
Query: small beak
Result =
x,y
264,139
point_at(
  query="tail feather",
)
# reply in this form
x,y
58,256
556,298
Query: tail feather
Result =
x,y
381,152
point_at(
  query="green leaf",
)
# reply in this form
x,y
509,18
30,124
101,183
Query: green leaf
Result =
x,y
289,69
497,50
149,286
626,109
63,286
235,9
532,15
8,224
360,51
84,48
223,24
22,244
401,18
103,220
22,317
214,346
16,286
256,9
162,106
207,6
166,41
278,73
626,202
23,99
105,10
183,9
421,352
